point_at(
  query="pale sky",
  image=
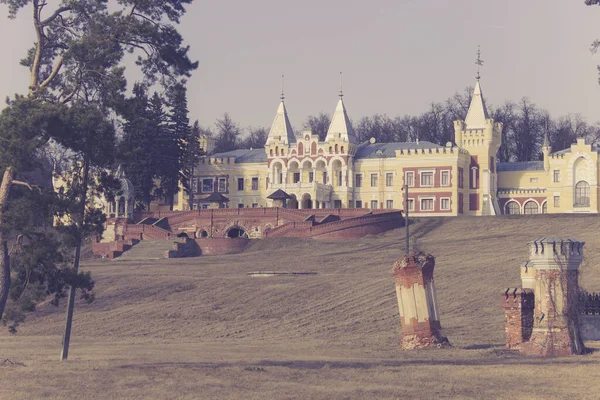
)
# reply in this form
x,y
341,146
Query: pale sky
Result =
x,y
397,56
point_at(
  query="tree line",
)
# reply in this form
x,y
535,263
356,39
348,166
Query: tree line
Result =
x,y
525,127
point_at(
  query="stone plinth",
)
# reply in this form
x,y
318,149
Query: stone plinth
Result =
x,y
417,302
527,276
556,325
518,316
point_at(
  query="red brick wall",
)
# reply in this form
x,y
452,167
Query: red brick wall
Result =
x,y
436,178
219,246
518,307
436,203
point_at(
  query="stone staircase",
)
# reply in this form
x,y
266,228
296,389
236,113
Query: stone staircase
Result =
x,y
147,250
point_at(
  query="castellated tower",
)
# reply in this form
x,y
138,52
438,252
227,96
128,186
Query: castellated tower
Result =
x,y
481,137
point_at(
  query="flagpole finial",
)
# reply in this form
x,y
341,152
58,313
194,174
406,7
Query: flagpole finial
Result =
x,y
282,78
479,62
341,86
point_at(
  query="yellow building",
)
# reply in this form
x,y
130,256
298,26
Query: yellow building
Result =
x,y
463,178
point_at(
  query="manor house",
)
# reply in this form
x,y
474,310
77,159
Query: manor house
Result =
x,y
460,178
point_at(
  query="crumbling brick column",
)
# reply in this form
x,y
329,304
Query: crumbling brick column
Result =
x,y
417,302
518,316
556,318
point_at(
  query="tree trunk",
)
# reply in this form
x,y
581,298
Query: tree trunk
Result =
x,y
9,175
71,304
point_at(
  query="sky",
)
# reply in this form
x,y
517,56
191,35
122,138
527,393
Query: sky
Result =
x,y
397,56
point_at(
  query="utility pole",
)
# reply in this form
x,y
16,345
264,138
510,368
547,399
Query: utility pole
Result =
x,y
406,218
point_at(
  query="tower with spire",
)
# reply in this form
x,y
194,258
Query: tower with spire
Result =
x,y
481,136
281,136
340,130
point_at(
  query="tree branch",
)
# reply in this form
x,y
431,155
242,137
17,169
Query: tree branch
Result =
x,y
55,70
31,187
35,66
55,15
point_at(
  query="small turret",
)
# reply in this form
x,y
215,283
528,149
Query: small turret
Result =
x,y
546,149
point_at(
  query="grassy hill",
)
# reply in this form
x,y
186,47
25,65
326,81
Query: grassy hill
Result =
x,y
201,328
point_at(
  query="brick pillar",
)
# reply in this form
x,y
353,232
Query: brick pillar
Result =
x,y
556,319
518,316
417,302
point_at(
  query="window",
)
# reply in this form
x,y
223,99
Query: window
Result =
x,y
311,177
426,178
411,204
426,204
557,201
533,180
207,185
389,204
409,178
337,204
373,180
254,183
358,204
445,203
324,177
389,179
445,180
545,208
240,184
222,185
254,205
358,181
374,204
512,208
194,185
473,177
296,177
204,205
556,175
582,194
531,207
461,178
280,178
240,205
339,178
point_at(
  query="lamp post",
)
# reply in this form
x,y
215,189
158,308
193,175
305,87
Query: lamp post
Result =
x,y
406,218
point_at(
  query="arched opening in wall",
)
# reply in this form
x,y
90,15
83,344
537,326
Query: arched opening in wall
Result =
x,y
342,150
512,208
293,202
236,232
321,171
330,149
294,172
306,201
271,152
336,149
300,149
308,174
337,178
202,233
531,207
582,194
313,148
277,173
545,207
276,151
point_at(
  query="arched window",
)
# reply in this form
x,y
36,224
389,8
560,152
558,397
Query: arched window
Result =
x,y
276,151
313,148
512,208
336,149
531,207
330,149
271,152
545,208
582,194
300,149
342,151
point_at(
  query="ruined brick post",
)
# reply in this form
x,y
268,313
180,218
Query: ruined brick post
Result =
x,y
417,302
518,316
556,319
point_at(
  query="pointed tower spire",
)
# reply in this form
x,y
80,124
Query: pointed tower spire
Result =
x,y
479,62
340,126
546,141
281,129
477,113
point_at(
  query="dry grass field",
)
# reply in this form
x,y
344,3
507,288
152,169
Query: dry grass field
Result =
x,y
200,328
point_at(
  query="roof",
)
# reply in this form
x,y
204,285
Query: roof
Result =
x,y
477,113
244,155
341,125
214,198
385,150
279,195
281,127
520,166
